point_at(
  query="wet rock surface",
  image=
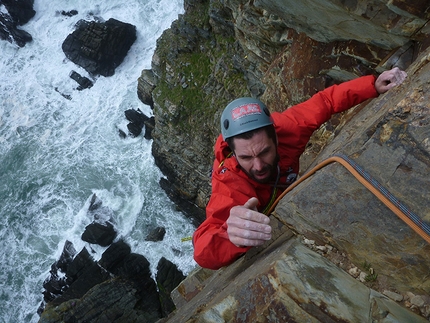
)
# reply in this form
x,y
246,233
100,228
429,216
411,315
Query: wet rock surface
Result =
x,y
119,287
18,13
99,47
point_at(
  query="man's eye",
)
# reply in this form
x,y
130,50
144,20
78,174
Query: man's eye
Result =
x,y
264,153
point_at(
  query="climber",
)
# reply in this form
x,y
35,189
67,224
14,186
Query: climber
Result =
x,y
257,157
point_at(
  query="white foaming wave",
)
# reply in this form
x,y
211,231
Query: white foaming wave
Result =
x,y
75,151
26,252
171,247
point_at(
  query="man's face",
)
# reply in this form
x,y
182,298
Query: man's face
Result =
x,y
257,156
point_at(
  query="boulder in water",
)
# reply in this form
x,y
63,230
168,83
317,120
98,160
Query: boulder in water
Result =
x,y
10,32
137,120
19,12
101,231
102,234
99,47
156,235
84,82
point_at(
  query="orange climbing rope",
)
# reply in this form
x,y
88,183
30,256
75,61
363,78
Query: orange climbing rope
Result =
x,y
411,219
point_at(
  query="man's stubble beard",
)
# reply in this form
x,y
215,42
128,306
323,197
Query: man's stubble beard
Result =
x,y
270,177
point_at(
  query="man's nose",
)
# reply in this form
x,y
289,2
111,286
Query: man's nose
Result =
x,y
258,164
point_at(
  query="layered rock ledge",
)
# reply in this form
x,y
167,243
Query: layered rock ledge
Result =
x,y
283,52
339,254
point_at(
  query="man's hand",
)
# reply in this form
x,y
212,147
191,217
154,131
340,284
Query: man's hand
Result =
x,y
248,227
389,79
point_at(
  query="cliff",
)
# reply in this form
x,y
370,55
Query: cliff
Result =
x,y
339,253
283,52
279,51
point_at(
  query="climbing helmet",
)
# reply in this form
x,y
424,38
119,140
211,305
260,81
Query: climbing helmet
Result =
x,y
243,115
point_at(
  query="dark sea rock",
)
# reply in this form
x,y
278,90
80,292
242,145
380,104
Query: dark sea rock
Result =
x,y
136,116
156,235
21,11
95,203
69,13
102,234
117,288
101,231
133,129
137,121
73,280
10,32
135,268
114,256
99,47
168,278
66,257
56,283
84,82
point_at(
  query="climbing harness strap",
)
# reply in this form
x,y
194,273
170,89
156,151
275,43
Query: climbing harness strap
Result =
x,y
274,192
272,200
409,217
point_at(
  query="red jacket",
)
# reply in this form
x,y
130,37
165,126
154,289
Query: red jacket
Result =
x,y
231,186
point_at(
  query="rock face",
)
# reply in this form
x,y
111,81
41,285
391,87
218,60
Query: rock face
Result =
x,y
99,47
389,139
286,282
280,51
283,52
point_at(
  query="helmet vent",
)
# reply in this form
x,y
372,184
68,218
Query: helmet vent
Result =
x,y
266,111
226,124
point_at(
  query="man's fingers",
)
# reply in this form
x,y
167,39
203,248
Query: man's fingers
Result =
x,y
246,227
251,234
396,76
241,242
251,204
390,79
400,77
248,238
249,216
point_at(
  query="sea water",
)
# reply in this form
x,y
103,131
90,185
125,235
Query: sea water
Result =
x,y
59,146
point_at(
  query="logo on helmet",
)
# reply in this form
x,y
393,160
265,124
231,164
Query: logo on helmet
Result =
x,y
245,110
